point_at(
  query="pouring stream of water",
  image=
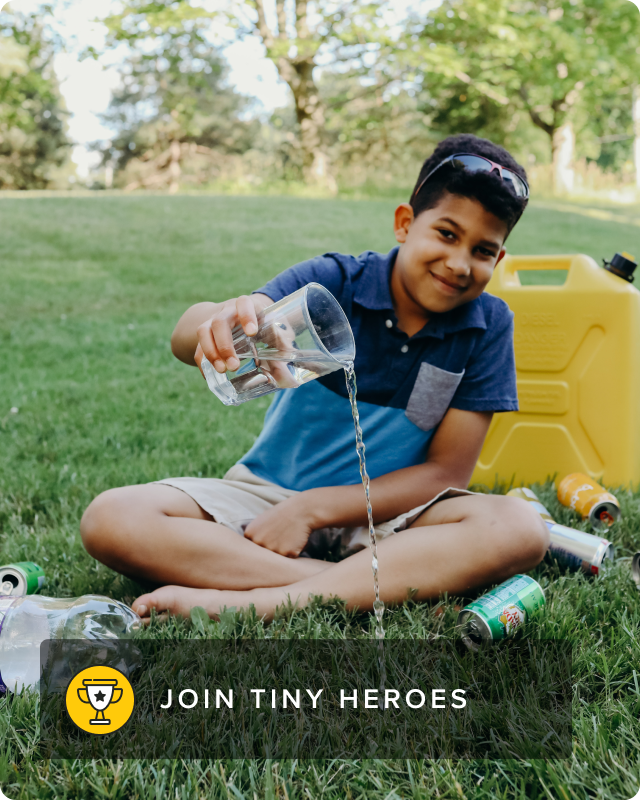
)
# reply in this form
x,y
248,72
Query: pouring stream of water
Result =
x,y
378,605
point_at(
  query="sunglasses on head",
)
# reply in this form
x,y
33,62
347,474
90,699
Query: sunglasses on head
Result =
x,y
474,163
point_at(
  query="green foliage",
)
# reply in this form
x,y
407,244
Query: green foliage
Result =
x,y
33,138
513,72
375,129
173,91
608,129
375,136
174,111
337,36
91,290
555,61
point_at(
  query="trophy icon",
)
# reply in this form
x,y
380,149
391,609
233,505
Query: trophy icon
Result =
x,y
100,694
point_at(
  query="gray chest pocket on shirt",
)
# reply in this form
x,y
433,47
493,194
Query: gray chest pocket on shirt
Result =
x,y
431,395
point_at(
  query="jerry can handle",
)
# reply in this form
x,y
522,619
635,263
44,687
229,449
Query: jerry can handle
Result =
x,y
515,264
577,266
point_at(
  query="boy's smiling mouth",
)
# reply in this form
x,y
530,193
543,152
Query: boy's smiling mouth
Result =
x,y
448,287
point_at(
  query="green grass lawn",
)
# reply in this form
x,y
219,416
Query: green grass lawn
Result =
x,y
90,291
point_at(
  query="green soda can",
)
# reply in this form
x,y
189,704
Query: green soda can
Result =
x,y
500,612
19,579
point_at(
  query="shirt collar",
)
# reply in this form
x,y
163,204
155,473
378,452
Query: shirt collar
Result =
x,y
469,315
373,292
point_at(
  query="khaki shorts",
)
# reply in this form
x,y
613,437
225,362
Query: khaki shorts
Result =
x,y
239,497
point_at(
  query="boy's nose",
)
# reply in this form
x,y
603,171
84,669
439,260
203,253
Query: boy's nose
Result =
x,y
458,264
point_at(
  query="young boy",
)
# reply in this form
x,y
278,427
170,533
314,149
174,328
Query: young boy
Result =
x,y
434,361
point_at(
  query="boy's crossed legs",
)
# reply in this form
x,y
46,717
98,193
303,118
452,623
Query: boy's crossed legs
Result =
x,y
159,533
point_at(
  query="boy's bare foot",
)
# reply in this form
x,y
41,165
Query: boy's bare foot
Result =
x,y
181,599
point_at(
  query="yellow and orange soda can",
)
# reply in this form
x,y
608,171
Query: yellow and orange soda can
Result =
x,y
590,500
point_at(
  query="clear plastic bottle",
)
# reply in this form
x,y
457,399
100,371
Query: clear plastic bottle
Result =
x,y
25,622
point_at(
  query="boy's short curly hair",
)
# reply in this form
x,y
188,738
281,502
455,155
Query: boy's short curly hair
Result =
x,y
485,187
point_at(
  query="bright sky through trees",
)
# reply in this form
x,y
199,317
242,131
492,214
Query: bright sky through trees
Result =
x,y
87,86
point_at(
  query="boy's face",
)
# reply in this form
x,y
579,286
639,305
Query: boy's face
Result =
x,y
448,254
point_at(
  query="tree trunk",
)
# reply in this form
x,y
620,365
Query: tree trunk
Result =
x,y
310,116
562,149
297,71
562,140
174,166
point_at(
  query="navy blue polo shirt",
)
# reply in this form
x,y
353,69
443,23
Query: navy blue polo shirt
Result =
x,y
460,359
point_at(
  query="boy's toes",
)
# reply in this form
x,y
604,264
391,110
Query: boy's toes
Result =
x,y
162,599
175,600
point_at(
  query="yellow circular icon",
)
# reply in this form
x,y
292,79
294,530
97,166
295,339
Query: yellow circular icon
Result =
x,y
100,700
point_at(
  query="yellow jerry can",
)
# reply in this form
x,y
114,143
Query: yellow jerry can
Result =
x,y
577,352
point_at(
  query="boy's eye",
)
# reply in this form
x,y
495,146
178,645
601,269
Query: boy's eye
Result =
x,y
487,253
447,233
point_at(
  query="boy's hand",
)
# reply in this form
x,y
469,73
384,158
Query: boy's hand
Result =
x,y
214,335
285,528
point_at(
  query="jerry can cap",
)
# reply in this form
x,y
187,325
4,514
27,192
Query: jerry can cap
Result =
x,y
622,264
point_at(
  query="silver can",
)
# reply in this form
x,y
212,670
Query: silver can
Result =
x,y
578,550
571,548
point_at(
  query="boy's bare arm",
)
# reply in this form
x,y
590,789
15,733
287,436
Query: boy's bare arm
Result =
x,y
184,338
453,454
206,327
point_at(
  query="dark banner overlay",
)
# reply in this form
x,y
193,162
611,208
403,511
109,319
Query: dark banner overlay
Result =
x,y
311,699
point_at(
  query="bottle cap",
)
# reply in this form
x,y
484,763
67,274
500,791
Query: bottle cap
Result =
x,y
622,265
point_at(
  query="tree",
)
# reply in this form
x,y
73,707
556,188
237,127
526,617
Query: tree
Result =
x,y
330,34
173,111
302,40
546,57
376,131
33,138
13,58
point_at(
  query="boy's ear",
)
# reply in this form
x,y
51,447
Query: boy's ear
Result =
x,y
402,221
501,255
